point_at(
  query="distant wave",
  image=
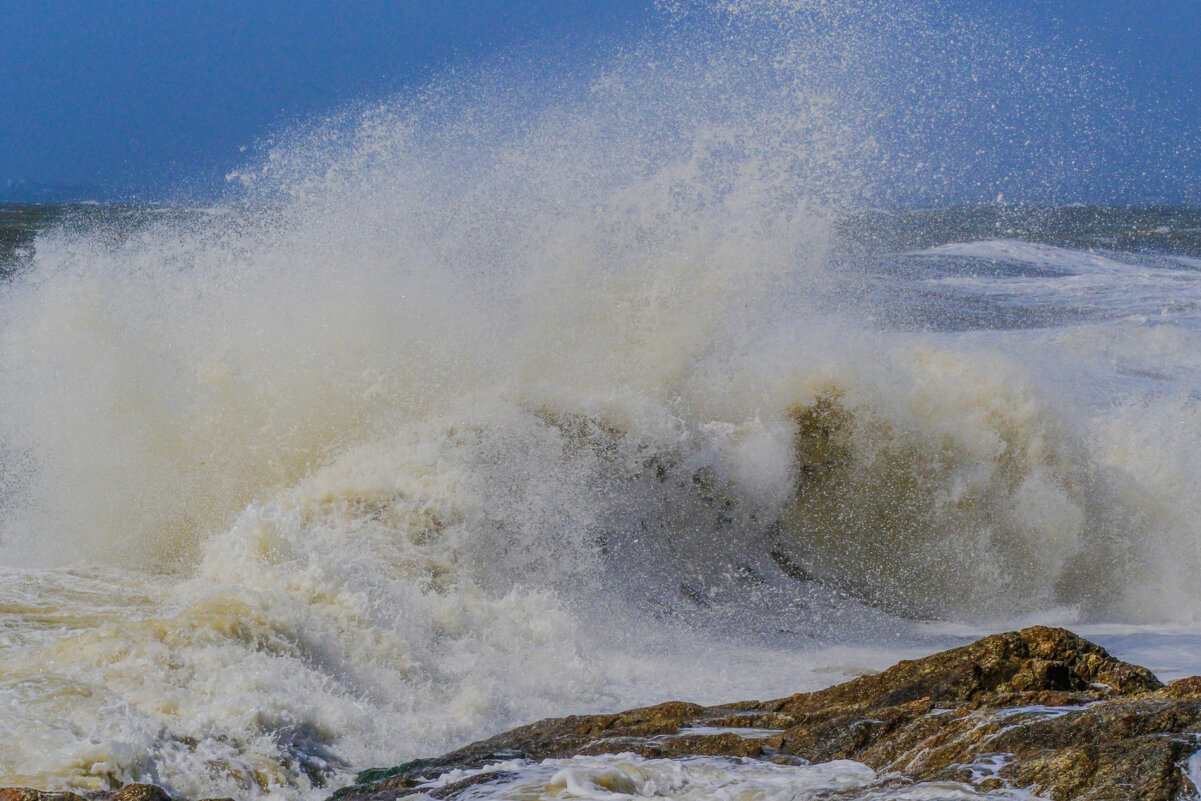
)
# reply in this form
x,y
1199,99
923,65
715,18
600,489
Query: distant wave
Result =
x,y
1067,260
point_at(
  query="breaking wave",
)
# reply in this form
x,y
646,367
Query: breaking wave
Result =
x,y
499,401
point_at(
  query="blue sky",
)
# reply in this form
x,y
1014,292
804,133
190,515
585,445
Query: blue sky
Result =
x,y
149,95
142,92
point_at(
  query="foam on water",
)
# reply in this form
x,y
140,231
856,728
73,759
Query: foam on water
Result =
x,y
1042,278
1063,260
1194,772
508,400
628,776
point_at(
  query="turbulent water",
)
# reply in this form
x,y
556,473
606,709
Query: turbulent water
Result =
x,y
509,399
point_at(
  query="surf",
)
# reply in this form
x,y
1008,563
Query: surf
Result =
x,y
507,397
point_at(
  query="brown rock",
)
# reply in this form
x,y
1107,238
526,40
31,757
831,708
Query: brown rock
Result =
x,y
1044,709
1184,688
134,792
1053,713
27,794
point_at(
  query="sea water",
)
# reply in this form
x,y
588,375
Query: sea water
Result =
x,y
516,397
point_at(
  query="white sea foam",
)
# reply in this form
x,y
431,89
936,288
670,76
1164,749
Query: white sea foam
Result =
x,y
627,776
1070,281
1065,260
1193,769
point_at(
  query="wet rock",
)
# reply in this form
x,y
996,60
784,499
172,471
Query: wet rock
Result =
x,y
1040,709
129,792
27,794
133,792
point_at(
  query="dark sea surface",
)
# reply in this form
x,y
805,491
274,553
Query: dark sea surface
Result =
x,y
1149,230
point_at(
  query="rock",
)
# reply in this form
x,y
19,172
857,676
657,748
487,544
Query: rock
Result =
x,y
129,792
133,792
27,794
1040,709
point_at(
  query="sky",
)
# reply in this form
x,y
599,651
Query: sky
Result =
x,y
146,93
142,96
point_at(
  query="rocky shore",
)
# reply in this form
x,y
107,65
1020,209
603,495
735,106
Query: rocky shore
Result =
x,y
1039,710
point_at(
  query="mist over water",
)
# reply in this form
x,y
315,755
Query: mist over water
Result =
x,y
509,398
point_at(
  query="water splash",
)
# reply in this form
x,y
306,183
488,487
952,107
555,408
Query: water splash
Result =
x,y
502,400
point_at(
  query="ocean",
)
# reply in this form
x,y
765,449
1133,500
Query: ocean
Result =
x,y
487,404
